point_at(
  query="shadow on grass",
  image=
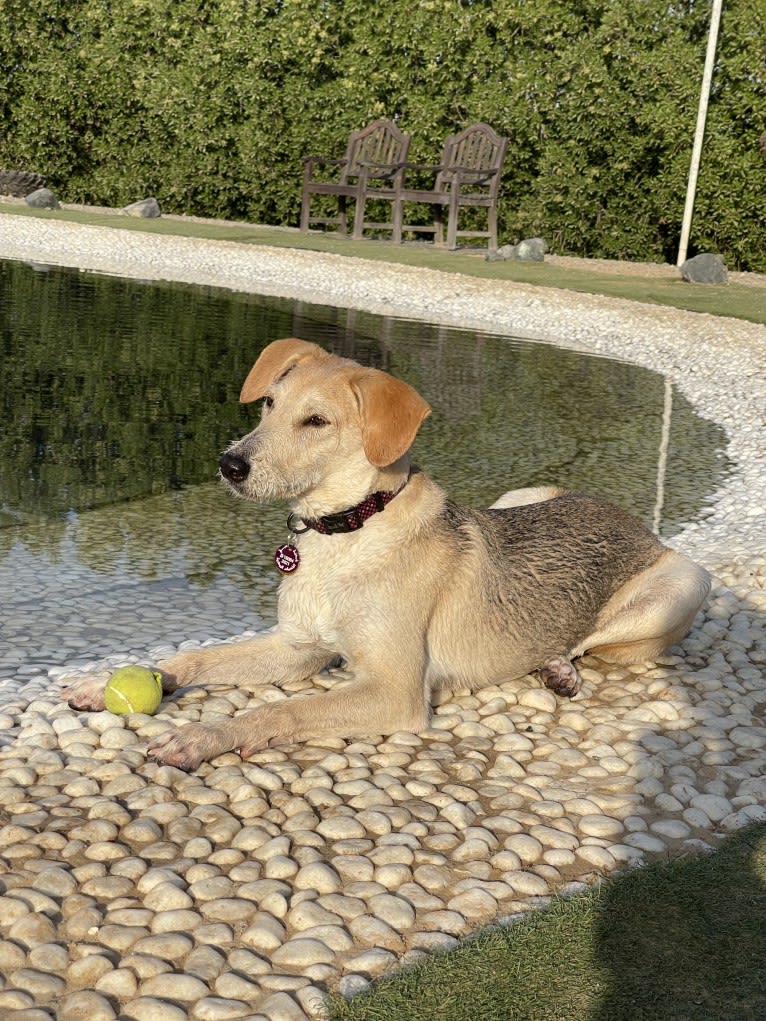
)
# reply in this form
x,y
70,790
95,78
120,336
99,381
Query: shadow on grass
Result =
x,y
684,941
688,941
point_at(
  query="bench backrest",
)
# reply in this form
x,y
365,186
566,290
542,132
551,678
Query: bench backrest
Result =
x,y
380,142
477,147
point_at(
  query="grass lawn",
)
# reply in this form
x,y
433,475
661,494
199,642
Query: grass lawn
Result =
x,y
737,300
682,941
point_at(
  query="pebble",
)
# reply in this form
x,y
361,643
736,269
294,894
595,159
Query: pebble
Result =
x,y
151,1008
600,826
241,890
219,1008
301,953
85,1005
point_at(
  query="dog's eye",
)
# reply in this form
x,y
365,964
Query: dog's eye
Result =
x,y
315,421
268,402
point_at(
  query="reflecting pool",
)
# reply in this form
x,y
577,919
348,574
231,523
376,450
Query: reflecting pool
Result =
x,y
118,397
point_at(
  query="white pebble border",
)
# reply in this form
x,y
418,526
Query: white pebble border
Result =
x,y
245,890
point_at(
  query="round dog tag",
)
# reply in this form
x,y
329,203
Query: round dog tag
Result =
x,y
287,558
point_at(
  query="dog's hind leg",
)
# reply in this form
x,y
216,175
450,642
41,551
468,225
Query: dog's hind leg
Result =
x,y
649,613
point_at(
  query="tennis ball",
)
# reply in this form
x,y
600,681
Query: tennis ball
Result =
x,y
133,689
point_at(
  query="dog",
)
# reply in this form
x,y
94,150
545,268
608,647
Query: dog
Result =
x,y
411,590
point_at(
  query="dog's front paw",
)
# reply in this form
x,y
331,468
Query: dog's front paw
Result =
x,y
86,693
560,676
190,745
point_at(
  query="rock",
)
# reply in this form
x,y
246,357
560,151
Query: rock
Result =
x,y
714,806
531,250
474,904
85,1005
182,988
264,934
526,847
318,876
218,1008
538,698
282,1007
351,985
604,826
705,268
120,983
300,953
147,209
40,985
151,1008
42,198
20,182
234,987
393,910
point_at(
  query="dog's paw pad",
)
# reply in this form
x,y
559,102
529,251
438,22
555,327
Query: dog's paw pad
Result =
x,y
560,676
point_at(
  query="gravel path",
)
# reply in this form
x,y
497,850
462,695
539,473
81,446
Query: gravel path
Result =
x,y
133,890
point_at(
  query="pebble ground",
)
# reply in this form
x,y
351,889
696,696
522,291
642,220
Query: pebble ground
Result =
x,y
245,890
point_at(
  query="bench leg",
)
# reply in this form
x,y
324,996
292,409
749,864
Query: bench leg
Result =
x,y
438,225
305,211
492,226
397,219
358,231
342,218
454,206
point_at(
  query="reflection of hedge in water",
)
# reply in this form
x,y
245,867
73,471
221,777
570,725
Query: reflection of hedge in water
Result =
x,y
118,390
508,414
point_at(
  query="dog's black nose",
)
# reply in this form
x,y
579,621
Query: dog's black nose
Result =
x,y
233,468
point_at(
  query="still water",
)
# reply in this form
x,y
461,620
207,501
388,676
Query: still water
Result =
x,y
118,397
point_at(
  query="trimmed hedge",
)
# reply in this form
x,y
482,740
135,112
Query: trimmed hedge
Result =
x,y
210,105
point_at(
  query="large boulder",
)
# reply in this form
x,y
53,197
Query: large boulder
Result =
x,y
705,268
19,183
531,250
145,208
42,198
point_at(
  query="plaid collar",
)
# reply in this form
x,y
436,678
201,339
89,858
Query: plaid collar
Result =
x,y
349,520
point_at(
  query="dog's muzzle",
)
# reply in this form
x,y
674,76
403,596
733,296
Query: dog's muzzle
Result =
x,y
234,469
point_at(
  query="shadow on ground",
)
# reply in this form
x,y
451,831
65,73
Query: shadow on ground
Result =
x,y
684,941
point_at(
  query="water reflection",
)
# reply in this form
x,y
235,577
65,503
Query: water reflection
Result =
x,y
118,396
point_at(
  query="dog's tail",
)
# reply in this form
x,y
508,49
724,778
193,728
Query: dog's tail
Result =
x,y
522,497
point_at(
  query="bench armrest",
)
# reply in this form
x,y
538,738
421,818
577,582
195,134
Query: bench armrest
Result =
x,y
324,161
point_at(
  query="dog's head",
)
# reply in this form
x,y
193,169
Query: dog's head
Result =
x,y
327,423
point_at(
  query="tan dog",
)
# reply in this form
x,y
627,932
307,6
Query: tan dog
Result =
x,y
412,591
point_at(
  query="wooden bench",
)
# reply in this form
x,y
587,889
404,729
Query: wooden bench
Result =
x,y
468,176
373,161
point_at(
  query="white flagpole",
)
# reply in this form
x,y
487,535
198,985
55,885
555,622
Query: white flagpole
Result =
x,y
707,77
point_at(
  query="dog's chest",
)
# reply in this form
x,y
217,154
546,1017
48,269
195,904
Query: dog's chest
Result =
x,y
325,597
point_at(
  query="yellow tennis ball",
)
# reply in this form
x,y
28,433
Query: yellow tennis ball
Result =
x,y
133,689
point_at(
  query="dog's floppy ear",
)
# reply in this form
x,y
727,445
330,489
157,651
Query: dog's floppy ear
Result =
x,y
273,362
391,413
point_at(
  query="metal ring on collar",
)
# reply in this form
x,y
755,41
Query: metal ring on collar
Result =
x,y
293,528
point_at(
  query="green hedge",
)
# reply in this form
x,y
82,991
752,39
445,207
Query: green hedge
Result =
x,y
211,105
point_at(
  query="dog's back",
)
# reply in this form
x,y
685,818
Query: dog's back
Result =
x,y
528,582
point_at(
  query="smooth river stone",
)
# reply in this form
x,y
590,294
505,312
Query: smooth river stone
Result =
x,y
600,826
301,953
